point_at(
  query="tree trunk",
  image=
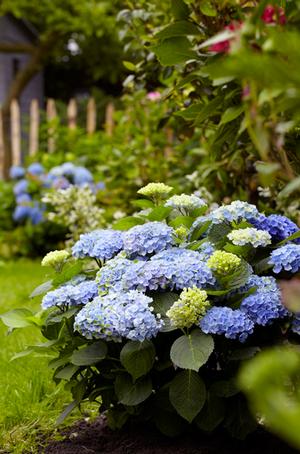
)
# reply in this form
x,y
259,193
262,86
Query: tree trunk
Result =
x,y
23,77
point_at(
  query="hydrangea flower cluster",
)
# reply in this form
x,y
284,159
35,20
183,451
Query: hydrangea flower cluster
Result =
x,y
34,180
148,238
55,258
286,258
185,203
234,212
250,236
223,263
189,308
234,324
71,294
155,190
118,315
99,244
279,227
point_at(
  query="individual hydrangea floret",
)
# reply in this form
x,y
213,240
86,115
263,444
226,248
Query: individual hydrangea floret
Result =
x,y
116,315
223,263
236,211
233,324
279,227
250,236
286,258
16,172
181,232
185,203
99,244
155,190
71,295
148,238
55,258
189,308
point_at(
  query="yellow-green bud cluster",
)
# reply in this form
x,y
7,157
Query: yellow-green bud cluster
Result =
x,y
189,308
155,190
223,263
55,258
181,232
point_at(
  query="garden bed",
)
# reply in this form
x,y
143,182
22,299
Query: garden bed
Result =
x,y
96,437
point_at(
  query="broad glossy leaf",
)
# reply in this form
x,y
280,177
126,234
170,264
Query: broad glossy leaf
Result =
x,y
91,354
138,357
192,351
132,393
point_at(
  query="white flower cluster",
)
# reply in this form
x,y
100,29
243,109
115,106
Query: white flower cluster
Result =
x,y
76,208
251,236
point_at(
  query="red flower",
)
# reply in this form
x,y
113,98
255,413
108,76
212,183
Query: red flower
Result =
x,y
273,15
224,46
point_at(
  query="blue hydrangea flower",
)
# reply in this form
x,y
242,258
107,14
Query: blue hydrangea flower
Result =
x,y
174,254
100,244
286,258
23,199
36,214
279,227
68,168
192,272
234,324
56,171
264,307
236,211
21,212
82,176
35,169
116,315
148,238
61,183
71,294
21,187
111,274
16,172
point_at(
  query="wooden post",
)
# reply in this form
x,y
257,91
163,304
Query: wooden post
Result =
x,y
170,139
34,127
109,119
72,113
51,115
15,133
1,147
91,116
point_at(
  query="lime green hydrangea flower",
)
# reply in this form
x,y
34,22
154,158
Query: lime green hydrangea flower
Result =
x,y
156,190
224,263
181,232
55,259
251,236
189,308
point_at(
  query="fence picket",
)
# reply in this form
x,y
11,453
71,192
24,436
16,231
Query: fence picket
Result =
x,y
1,147
34,127
51,115
91,116
15,133
109,119
72,113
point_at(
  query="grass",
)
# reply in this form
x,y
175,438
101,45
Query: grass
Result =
x,y
29,401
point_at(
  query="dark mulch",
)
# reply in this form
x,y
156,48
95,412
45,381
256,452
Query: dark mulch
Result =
x,y
96,437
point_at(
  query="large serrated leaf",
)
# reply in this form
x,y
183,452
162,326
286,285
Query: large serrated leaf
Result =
x,y
173,51
91,354
192,351
178,28
132,393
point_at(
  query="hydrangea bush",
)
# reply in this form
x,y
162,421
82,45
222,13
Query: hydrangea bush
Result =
x,y
154,316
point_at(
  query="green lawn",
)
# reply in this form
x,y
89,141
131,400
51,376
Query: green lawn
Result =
x,y
29,401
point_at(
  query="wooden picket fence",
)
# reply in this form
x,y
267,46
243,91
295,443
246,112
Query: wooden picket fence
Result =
x,y
34,126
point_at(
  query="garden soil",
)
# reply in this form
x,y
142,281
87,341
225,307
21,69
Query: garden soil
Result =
x,y
96,437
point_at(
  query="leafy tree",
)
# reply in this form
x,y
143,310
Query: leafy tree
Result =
x,y
57,22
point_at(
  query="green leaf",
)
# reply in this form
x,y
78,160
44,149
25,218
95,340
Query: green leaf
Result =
x,y
68,273
291,187
127,222
207,8
132,393
179,28
23,353
180,10
218,233
190,113
198,231
169,424
138,357
224,388
161,304
18,318
90,354
186,221
142,203
187,394
239,422
212,414
231,114
66,373
208,110
129,65
192,351
292,237
159,213
174,51
43,288
58,317
67,411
